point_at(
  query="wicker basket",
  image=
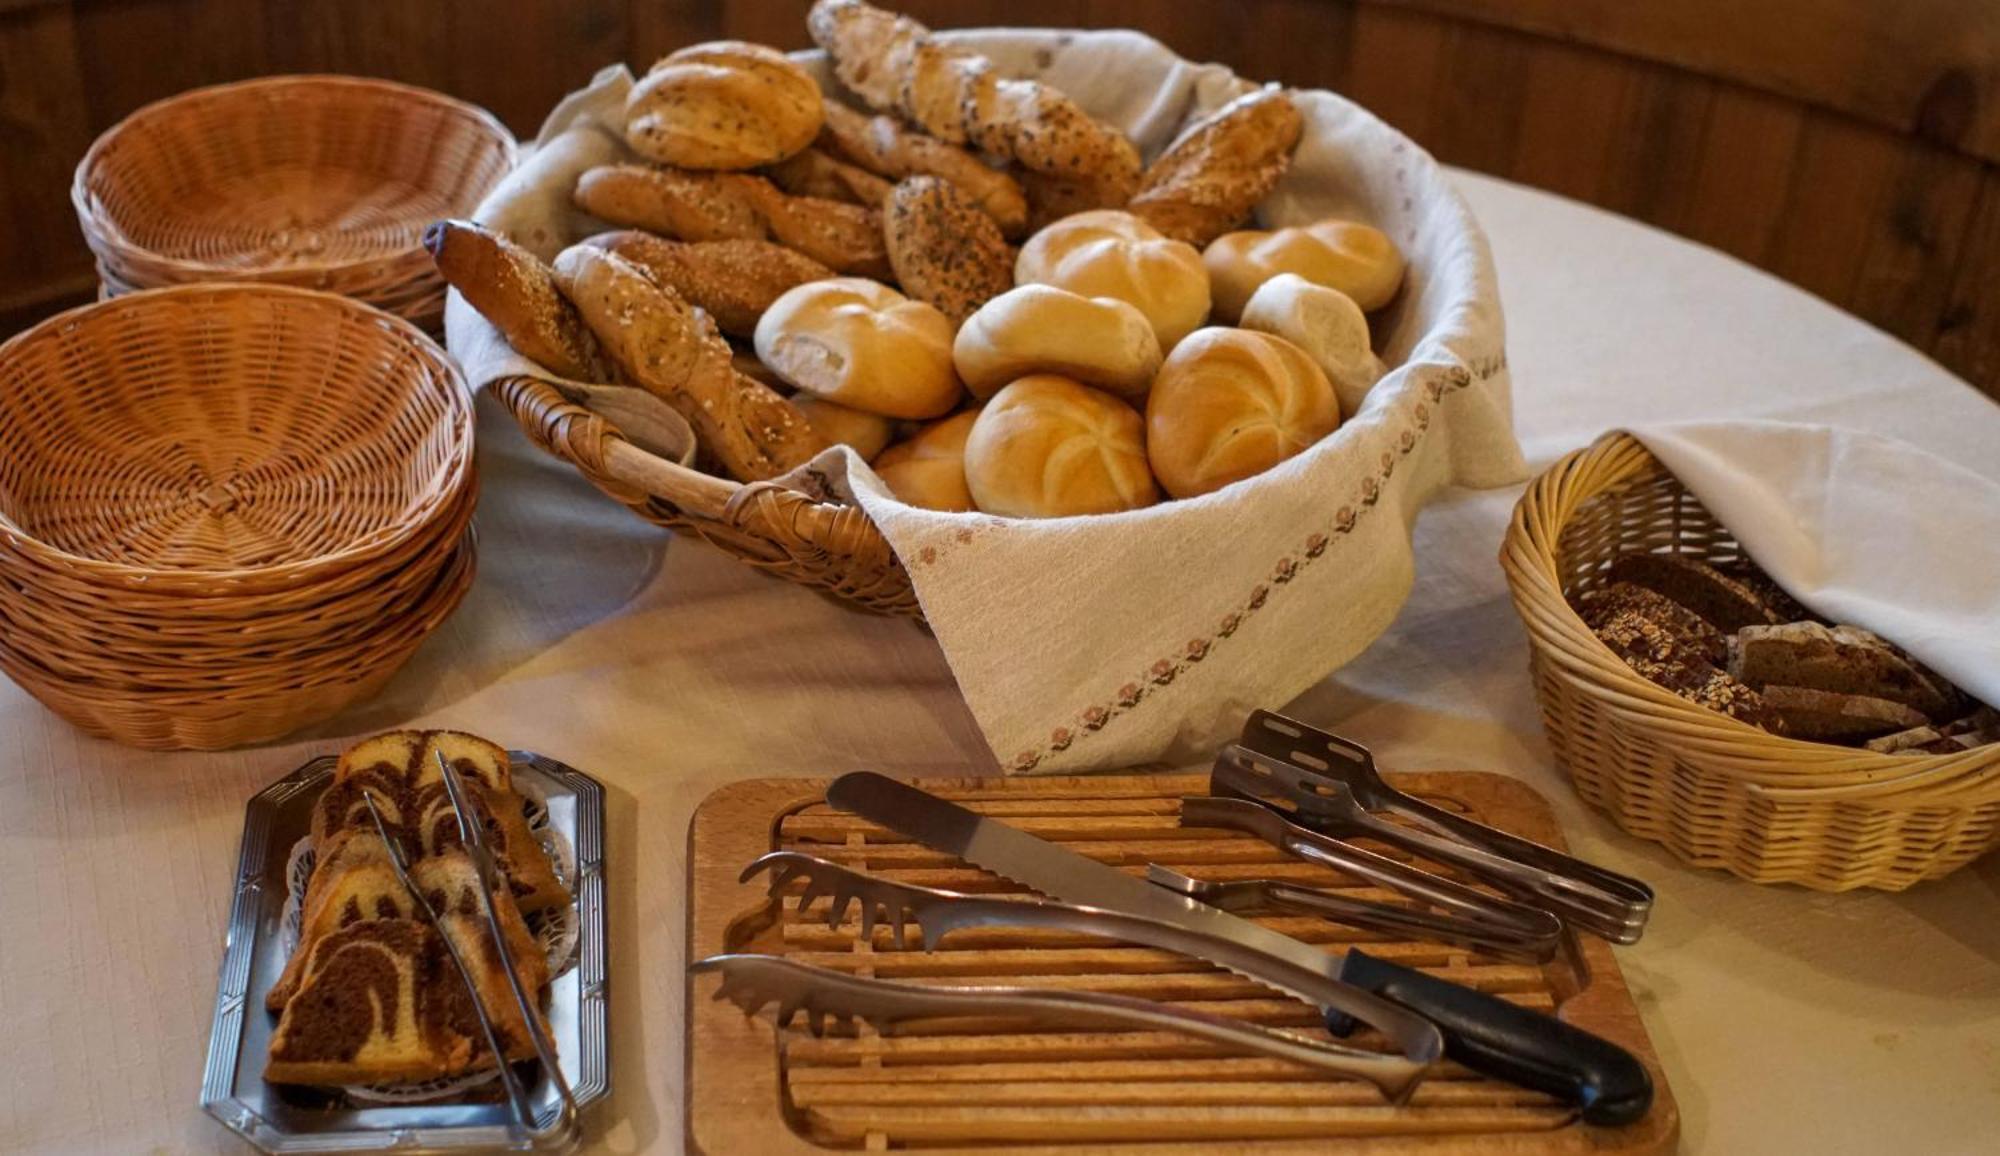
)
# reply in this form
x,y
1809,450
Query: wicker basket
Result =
x,y
1718,792
322,182
226,511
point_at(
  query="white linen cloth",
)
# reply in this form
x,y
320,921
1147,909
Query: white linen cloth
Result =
x,y
1145,636
1864,529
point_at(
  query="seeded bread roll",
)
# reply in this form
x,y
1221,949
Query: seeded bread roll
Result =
x,y
1213,175
1664,660
1047,447
674,350
943,248
882,145
733,281
695,206
928,468
812,173
1727,603
1099,341
1356,259
723,105
518,294
864,345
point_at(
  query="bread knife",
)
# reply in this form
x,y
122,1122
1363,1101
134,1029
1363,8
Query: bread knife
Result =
x,y
1481,1031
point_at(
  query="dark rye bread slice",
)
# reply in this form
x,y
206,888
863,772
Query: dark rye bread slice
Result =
x,y
1842,659
1599,606
1666,660
1726,602
1828,717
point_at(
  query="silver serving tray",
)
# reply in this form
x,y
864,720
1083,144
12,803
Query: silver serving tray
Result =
x,y
282,1119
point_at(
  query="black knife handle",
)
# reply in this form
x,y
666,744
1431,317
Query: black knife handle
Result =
x,y
1513,1043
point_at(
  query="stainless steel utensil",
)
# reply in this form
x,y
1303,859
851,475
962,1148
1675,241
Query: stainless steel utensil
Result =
x,y
753,981
1332,786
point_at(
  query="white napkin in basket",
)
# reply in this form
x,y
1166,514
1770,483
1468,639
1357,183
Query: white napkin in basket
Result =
x,y
1085,643
1861,528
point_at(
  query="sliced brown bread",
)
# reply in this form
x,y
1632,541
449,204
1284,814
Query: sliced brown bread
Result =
x,y
1725,602
1668,661
1599,606
1826,716
1842,659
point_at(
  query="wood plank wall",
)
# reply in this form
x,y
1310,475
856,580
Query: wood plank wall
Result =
x,y
1849,146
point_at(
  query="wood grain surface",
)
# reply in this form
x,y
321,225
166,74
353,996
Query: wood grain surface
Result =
x,y
991,1086
1848,146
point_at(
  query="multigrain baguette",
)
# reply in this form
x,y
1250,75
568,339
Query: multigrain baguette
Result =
x,y
732,281
1209,180
881,145
814,173
691,206
671,348
517,292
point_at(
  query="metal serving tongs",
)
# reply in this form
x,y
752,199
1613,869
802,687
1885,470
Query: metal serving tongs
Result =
x,y
1331,785
562,1133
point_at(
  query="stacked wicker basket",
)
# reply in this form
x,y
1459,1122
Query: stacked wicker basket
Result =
x,y
226,510
1718,792
321,182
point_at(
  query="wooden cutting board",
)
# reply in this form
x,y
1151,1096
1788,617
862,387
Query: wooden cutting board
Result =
x,y
998,1088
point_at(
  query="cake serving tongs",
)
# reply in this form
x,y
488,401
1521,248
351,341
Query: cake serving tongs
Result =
x,y
1330,785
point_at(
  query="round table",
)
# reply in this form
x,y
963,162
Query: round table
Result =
x,y
1787,1021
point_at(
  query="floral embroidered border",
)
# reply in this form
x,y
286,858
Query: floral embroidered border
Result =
x,y
1163,671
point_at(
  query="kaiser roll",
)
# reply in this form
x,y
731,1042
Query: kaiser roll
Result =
x,y
1230,403
1109,253
1047,446
862,344
1099,341
1356,259
928,469
865,433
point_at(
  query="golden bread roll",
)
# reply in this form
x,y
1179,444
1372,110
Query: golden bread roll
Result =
x,y
673,350
514,290
1048,447
1231,403
812,173
697,206
1359,260
733,281
723,105
1107,253
894,65
866,433
944,249
864,345
1324,322
882,145
1213,175
1098,341
927,469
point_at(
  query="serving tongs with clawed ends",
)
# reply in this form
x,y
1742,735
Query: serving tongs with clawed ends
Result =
x,y
1331,785
885,902
753,981
1535,944
561,1133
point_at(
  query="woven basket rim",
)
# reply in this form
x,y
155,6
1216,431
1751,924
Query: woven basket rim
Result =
x,y
457,469
99,229
1528,557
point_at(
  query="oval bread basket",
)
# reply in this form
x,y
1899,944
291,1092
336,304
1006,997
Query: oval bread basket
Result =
x,y
1715,791
322,182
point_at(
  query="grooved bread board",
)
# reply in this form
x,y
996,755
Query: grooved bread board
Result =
x,y
998,1087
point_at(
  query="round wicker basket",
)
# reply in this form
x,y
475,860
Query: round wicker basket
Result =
x,y
323,182
226,510
1716,791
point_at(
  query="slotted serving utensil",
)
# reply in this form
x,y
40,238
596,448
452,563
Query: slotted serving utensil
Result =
x,y
1331,785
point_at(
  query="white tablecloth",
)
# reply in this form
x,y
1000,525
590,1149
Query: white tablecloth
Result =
x,y
1787,1021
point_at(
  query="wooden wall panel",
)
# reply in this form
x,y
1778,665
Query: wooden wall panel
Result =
x,y
1847,145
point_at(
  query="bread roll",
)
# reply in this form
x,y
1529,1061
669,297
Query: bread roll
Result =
x,y
864,345
723,105
673,350
518,294
1231,403
928,468
1107,253
1324,322
1098,341
865,433
1048,447
1356,259
944,248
